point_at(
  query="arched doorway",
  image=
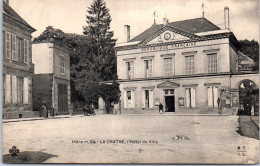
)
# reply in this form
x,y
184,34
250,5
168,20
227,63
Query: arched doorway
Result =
x,y
248,97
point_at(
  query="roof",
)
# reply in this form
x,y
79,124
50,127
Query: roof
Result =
x,y
245,59
193,26
7,10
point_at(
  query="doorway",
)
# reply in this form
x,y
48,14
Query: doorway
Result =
x,y
170,103
62,98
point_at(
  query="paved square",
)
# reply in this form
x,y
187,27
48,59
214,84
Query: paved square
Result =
x,y
134,139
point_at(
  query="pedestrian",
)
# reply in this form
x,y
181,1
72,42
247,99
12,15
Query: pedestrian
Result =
x,y
52,111
85,110
44,111
92,110
116,108
160,108
219,106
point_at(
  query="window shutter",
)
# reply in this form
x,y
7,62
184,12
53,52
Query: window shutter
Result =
x,y
143,98
8,88
215,90
13,47
133,98
26,90
151,98
125,99
187,98
193,97
22,50
8,45
4,44
210,103
14,89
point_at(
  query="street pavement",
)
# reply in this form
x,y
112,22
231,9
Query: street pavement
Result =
x,y
134,139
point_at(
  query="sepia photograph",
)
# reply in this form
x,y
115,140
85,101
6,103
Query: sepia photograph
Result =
x,y
130,82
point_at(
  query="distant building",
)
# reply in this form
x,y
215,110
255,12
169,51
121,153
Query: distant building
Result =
x,y
51,80
17,65
189,66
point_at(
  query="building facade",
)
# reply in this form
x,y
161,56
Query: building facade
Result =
x,y
51,80
17,65
189,66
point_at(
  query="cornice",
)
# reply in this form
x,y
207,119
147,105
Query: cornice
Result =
x,y
203,38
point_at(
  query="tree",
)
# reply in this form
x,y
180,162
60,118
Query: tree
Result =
x,y
250,49
100,65
102,44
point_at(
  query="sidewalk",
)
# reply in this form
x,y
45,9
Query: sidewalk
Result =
x,y
36,118
255,120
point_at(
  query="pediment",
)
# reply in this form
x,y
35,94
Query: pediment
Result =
x,y
168,84
168,34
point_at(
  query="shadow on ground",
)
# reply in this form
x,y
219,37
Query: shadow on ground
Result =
x,y
247,127
27,157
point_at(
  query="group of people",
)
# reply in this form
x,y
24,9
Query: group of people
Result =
x,y
47,111
89,110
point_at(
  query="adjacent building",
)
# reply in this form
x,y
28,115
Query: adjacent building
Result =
x,y
51,80
17,65
188,66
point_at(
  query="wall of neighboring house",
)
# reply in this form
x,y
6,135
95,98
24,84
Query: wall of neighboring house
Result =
x,y
42,58
233,60
17,71
42,90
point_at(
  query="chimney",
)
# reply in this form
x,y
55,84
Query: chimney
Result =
x,y
165,21
127,33
226,17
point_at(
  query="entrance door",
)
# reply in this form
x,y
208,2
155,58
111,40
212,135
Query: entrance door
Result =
x,y
62,98
170,103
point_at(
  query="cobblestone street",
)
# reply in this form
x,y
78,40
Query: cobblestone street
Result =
x,y
134,139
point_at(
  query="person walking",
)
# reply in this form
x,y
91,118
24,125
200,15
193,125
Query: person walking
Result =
x,y
219,106
160,108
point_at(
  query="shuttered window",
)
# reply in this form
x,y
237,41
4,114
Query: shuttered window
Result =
x,y
26,50
14,89
7,45
190,97
8,88
25,90
14,54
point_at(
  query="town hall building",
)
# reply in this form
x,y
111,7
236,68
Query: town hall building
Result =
x,y
189,66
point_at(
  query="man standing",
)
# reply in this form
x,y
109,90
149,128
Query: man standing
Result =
x,y
160,108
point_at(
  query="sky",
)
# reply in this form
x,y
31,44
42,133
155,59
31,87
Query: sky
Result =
x,y
70,15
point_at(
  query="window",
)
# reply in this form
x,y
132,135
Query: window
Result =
x,y
19,89
147,98
19,49
62,64
148,65
212,63
190,97
7,45
7,88
26,50
130,69
168,66
189,63
213,97
14,56
129,99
